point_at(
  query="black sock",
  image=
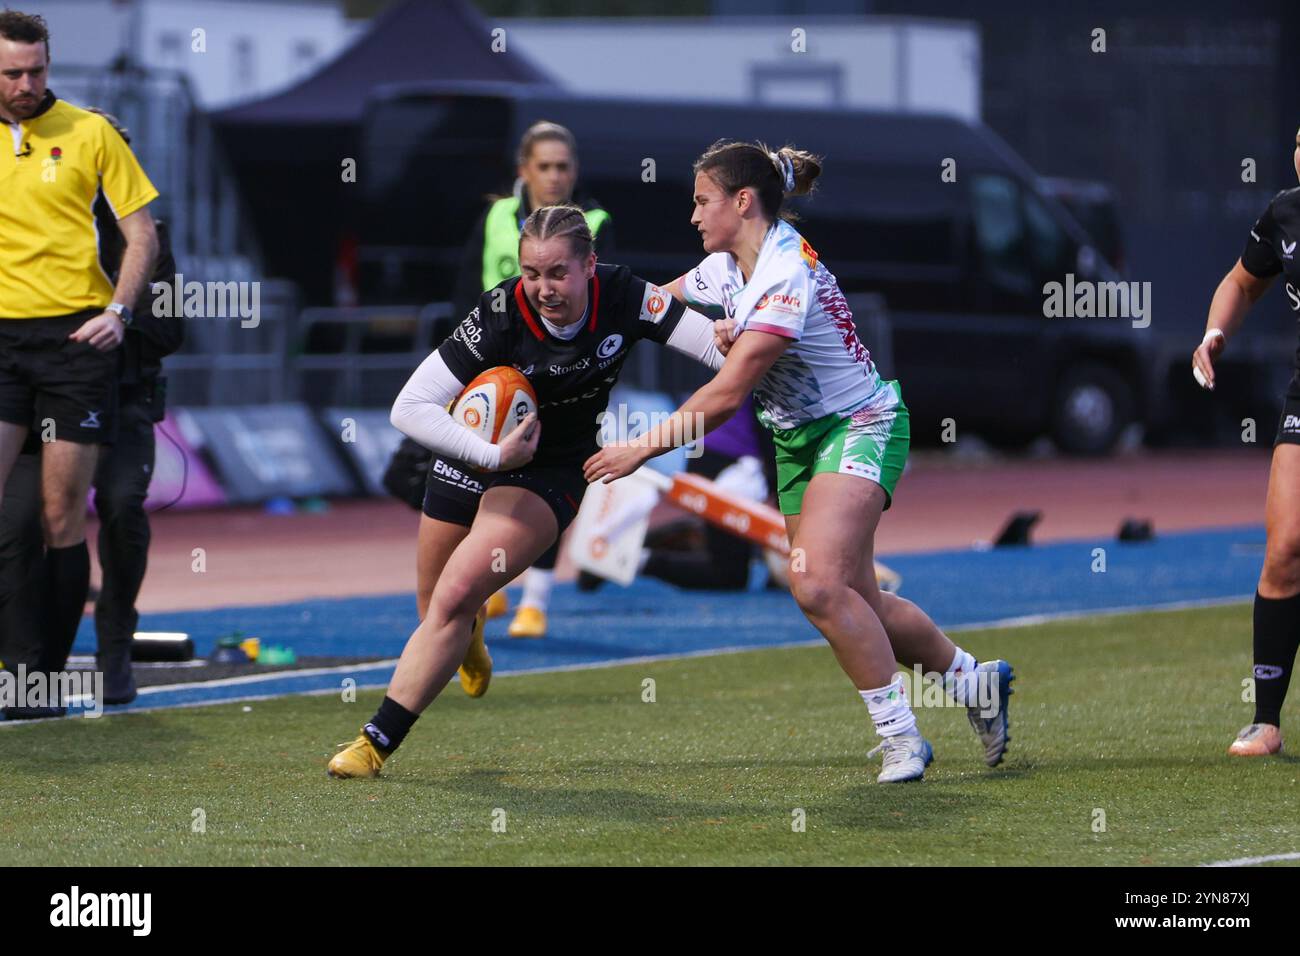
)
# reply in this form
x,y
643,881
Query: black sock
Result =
x,y
63,596
1277,635
390,725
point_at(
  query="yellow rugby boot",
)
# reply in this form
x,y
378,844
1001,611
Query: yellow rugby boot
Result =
x,y
528,622
498,604
361,758
476,668
1257,740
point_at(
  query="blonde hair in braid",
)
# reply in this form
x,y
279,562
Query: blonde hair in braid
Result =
x,y
560,221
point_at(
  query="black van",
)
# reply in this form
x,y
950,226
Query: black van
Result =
x,y
961,264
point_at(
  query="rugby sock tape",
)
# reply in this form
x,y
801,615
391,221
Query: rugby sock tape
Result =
x,y
1277,636
390,725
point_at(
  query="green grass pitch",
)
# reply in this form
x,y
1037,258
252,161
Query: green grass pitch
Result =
x,y
1127,716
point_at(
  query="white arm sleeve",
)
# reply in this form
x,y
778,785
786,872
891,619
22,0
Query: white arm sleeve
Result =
x,y
693,336
420,413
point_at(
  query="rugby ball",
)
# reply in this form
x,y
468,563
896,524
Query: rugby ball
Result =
x,y
494,404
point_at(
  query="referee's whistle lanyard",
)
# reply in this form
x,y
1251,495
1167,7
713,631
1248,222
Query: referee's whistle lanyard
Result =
x,y
23,145
18,133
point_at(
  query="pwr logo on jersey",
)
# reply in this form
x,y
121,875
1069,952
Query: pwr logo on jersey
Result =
x,y
780,303
654,303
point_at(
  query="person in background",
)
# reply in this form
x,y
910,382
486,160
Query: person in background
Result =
x,y
121,484
61,318
1269,253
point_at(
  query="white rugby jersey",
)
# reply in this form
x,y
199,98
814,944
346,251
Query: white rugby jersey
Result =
x,y
827,369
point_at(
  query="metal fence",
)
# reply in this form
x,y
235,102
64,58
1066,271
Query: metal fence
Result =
x,y
356,357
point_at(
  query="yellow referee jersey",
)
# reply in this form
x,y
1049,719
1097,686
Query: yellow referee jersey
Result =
x,y
50,172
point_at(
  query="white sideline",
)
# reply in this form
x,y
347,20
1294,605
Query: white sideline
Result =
x,y
1253,860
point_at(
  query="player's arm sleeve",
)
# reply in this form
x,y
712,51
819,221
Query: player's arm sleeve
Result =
x,y
652,310
121,178
693,336
420,413
782,307
702,286
1259,257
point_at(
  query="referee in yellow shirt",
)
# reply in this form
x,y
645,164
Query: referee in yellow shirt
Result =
x,y
60,317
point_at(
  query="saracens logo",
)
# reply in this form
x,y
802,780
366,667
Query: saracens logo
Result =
x,y
611,345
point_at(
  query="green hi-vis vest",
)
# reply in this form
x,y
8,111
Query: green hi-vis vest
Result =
x,y
501,239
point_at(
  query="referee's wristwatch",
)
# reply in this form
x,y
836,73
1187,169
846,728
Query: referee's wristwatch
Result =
x,y
123,312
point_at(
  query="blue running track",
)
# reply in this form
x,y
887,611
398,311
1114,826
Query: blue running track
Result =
x,y
651,619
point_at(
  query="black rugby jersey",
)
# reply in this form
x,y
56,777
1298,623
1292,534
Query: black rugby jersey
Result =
x,y
572,378
1271,248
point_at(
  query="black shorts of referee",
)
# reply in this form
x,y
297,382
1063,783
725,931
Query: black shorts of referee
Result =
x,y
67,387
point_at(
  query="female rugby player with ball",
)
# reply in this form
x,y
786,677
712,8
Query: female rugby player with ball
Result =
x,y
841,438
1270,251
567,324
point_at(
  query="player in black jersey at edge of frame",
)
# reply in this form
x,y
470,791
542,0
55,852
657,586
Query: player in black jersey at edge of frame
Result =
x,y
567,324
1271,250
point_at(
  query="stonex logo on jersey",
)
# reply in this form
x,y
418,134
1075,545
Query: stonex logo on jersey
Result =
x,y
609,351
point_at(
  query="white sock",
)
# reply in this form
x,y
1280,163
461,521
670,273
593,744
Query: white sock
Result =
x,y
889,709
641,561
537,589
960,679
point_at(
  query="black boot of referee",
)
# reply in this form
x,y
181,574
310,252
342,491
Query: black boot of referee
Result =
x,y
119,679
113,657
